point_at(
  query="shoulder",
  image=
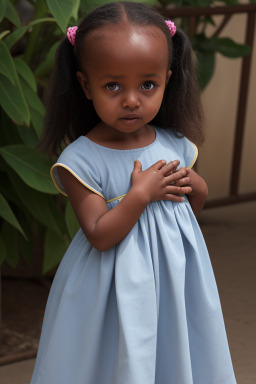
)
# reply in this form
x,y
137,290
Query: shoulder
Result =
x,y
73,149
79,154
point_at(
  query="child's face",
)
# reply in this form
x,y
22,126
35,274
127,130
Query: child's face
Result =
x,y
124,72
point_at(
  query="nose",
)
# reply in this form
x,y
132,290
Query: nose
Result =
x,y
131,100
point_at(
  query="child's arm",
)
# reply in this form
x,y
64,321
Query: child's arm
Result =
x,y
105,228
199,191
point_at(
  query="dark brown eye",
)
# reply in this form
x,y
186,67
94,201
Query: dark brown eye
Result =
x,y
148,85
112,87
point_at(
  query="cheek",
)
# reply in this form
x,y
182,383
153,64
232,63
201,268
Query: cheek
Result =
x,y
156,103
156,109
104,107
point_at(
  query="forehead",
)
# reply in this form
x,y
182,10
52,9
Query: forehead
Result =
x,y
124,47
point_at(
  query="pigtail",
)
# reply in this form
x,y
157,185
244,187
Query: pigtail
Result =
x,y
69,113
181,108
66,105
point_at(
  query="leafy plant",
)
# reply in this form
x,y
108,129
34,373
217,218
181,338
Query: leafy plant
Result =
x,y
206,46
30,207
32,213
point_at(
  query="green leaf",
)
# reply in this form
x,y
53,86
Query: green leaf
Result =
x,y
25,72
71,220
4,33
15,36
2,251
46,66
32,166
19,32
7,67
12,15
7,214
62,11
40,205
209,20
13,102
31,247
9,129
37,110
10,236
28,135
75,9
37,121
229,48
11,95
54,250
223,45
8,191
26,250
3,8
206,64
32,98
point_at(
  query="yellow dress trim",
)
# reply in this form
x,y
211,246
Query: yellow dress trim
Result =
x,y
116,198
68,169
195,157
82,182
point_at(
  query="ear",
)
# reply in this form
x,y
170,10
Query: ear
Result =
x,y
82,78
169,73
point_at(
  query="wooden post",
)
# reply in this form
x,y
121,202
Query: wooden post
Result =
x,y
241,109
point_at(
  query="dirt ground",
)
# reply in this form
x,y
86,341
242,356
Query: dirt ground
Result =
x,y
23,304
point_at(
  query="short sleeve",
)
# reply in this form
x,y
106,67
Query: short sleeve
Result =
x,y
190,152
79,161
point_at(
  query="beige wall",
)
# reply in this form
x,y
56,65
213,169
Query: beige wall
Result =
x,y
220,100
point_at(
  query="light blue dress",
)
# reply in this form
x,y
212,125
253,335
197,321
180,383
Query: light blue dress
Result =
x,y
147,311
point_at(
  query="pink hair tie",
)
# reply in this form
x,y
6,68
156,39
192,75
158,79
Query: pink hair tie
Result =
x,y
170,24
71,34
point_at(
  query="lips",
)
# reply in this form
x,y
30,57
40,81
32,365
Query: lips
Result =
x,y
130,119
130,116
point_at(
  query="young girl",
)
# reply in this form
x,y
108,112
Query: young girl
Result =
x,y
134,300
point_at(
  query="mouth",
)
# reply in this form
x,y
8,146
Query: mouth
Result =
x,y
130,118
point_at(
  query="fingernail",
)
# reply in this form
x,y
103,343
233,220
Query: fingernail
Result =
x,y
164,161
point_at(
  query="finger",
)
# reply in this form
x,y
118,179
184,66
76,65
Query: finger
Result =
x,y
137,166
181,182
175,198
171,172
173,189
158,165
175,176
170,167
185,168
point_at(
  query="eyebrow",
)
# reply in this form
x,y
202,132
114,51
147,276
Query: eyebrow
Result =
x,y
122,77
151,75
